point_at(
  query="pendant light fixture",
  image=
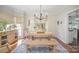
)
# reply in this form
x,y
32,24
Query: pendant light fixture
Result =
x,y
41,16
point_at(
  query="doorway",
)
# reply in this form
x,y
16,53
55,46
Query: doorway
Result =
x,y
73,29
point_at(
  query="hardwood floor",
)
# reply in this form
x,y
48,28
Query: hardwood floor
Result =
x,y
68,47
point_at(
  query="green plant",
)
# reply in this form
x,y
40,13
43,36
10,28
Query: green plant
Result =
x,y
3,24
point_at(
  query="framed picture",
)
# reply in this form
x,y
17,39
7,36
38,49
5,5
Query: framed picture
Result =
x,y
57,22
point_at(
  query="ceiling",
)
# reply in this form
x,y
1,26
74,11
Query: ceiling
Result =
x,y
31,9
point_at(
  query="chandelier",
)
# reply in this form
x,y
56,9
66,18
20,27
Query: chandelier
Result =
x,y
41,16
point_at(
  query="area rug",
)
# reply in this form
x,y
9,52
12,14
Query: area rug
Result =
x,y
22,48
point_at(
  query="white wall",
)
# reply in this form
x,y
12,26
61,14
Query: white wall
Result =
x,y
63,28
52,24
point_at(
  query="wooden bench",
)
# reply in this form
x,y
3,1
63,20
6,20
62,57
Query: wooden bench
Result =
x,y
50,43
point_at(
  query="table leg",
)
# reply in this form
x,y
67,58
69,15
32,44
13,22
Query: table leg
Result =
x,y
29,47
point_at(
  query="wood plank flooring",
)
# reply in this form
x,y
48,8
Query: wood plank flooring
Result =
x,y
68,47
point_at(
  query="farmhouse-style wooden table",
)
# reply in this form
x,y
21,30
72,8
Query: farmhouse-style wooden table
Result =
x,y
33,35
